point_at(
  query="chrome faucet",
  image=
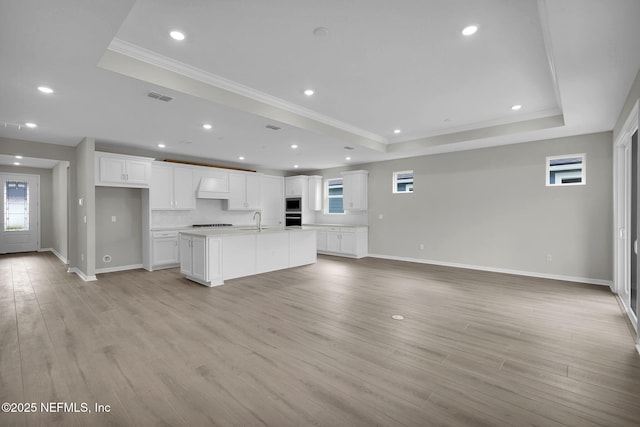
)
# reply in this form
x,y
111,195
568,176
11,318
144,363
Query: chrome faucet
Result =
x,y
258,220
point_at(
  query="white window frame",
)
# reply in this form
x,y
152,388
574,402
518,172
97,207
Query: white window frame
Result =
x,y
394,182
583,176
327,196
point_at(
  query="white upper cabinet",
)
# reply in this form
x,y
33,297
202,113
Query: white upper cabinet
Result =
x,y
295,186
171,188
315,193
117,170
244,191
355,190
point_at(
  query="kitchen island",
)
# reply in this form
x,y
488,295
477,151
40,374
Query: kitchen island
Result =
x,y
211,256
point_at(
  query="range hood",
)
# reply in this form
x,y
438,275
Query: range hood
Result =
x,y
213,188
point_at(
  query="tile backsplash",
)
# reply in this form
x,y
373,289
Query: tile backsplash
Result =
x,y
207,211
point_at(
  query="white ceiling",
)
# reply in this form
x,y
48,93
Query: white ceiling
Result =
x,y
381,66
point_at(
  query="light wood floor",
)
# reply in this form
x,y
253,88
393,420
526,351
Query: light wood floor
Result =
x,y
314,346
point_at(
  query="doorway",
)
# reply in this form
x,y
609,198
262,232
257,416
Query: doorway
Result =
x,y
19,202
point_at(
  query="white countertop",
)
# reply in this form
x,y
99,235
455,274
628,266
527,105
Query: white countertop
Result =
x,y
236,231
335,225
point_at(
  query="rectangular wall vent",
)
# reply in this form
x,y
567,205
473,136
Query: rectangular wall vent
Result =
x,y
272,127
159,96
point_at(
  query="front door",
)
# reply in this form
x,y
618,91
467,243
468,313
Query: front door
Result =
x,y
20,231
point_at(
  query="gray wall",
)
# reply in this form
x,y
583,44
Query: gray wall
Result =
x,y
46,201
490,208
60,218
122,240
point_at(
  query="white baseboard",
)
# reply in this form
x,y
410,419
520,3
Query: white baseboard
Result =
x,y
81,274
56,253
587,280
121,268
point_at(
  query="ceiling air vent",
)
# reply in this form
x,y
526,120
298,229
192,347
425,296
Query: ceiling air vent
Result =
x,y
159,96
348,148
272,127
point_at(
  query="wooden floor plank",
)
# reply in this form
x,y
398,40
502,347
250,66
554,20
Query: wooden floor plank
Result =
x,y
315,345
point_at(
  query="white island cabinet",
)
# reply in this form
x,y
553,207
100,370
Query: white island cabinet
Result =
x,y
211,256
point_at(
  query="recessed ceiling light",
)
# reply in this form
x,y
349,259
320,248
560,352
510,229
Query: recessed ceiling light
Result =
x,y
294,146
516,107
45,89
469,30
207,126
31,125
397,131
16,163
241,157
18,157
347,158
161,145
177,35
397,317
295,166
309,92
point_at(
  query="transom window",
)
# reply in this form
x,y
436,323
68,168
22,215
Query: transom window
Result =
x,y
334,194
566,170
403,182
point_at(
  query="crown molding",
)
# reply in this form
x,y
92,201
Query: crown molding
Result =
x,y
153,58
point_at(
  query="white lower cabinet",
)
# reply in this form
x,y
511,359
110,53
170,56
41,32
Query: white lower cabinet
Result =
x,y
272,251
193,251
209,260
238,258
343,241
302,248
321,240
165,249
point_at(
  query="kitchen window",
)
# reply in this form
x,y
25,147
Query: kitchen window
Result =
x,y
334,194
403,182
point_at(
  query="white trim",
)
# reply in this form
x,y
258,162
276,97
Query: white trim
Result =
x,y
150,57
81,274
121,268
588,280
630,124
56,253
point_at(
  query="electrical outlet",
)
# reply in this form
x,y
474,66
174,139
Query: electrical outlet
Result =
x,y
549,258
81,257
113,218
380,216
421,246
